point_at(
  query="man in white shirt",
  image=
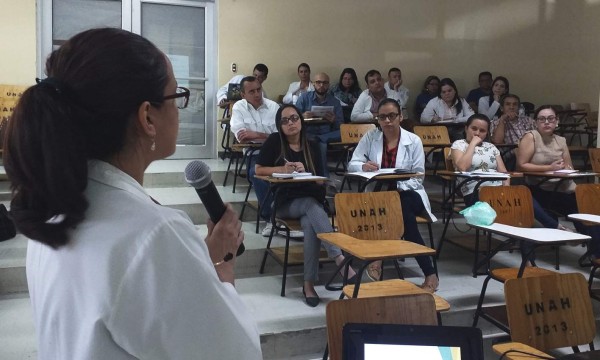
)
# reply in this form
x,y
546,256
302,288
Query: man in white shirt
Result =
x,y
394,84
260,72
253,117
253,120
365,107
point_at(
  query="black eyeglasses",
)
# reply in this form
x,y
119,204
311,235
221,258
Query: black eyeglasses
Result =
x,y
390,116
181,96
292,119
321,82
549,119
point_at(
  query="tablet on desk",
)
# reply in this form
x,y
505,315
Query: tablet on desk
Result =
x,y
403,171
424,342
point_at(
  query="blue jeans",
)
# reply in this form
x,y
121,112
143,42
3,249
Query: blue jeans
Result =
x,y
261,188
323,140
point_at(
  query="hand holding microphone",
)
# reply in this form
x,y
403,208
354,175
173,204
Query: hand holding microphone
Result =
x,y
198,175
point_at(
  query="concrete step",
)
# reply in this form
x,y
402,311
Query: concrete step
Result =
x,y
289,328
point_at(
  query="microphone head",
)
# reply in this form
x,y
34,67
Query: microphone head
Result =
x,y
197,174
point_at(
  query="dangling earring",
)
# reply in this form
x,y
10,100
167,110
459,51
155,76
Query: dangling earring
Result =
x,y
153,146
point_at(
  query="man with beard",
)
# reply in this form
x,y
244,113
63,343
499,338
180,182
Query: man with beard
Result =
x,y
325,133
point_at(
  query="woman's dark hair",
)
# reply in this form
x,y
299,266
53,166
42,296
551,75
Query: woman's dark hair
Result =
x,y
355,87
285,145
303,65
96,82
544,107
427,81
390,101
449,82
481,117
506,91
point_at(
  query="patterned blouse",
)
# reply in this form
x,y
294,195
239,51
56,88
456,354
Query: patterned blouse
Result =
x,y
484,159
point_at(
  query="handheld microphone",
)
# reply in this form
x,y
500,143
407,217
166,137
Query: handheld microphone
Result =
x,y
198,175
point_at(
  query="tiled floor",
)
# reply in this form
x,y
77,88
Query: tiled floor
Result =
x,y
291,329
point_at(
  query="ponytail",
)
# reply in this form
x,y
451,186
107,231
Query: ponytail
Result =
x,y
83,110
45,157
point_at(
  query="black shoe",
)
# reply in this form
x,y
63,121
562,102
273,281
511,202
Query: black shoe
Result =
x,y
312,301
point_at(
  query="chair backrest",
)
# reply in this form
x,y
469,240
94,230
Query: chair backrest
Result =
x,y
587,196
448,159
529,107
370,215
595,159
580,106
591,117
513,204
548,312
352,133
410,309
432,135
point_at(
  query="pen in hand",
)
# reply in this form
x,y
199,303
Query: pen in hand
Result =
x,y
369,163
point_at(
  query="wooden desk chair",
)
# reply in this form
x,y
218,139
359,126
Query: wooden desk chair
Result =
x,y
513,206
240,154
287,255
529,108
411,309
547,312
370,228
434,139
587,196
594,154
350,136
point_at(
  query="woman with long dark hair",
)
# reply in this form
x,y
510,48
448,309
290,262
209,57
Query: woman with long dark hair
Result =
x,y
490,105
111,273
347,91
286,151
431,89
448,108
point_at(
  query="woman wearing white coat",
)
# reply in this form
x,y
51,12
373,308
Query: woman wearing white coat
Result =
x,y
297,88
392,147
448,107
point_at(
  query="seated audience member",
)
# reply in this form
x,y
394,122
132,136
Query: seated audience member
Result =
x,y
324,133
393,147
510,126
431,89
484,89
490,105
542,150
260,72
366,106
286,151
475,154
253,120
298,88
447,107
394,84
347,91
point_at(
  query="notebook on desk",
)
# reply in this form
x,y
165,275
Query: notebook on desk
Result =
x,y
423,342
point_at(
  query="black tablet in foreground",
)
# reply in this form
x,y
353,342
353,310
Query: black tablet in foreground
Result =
x,y
422,342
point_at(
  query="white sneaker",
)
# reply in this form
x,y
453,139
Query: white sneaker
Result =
x,y
294,234
267,230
